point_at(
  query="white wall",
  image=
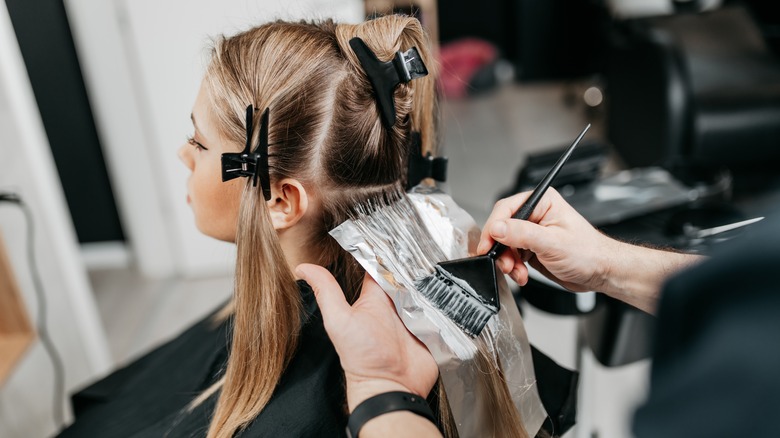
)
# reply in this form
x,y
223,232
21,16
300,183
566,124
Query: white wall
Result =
x,y
143,60
27,168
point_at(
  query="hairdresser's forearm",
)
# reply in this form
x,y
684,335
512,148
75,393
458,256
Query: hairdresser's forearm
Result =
x,y
400,423
635,274
361,389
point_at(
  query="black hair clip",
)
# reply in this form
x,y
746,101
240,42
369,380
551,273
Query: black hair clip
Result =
x,y
421,167
385,76
250,163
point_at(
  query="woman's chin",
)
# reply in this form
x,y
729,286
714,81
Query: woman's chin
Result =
x,y
222,235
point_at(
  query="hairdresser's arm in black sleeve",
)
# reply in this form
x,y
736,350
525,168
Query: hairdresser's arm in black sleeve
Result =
x,y
562,245
716,365
377,353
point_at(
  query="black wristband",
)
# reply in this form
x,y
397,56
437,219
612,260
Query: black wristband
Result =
x,y
384,403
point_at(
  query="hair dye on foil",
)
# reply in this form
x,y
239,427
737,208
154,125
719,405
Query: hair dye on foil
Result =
x,y
402,241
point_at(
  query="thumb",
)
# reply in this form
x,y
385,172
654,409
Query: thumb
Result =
x,y
372,291
516,233
330,298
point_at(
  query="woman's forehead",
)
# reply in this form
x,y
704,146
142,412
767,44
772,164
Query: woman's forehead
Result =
x,y
202,117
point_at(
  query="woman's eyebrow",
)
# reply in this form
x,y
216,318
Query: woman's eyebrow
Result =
x,y
192,117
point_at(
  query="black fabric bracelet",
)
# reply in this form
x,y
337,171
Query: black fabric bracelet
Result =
x,y
384,403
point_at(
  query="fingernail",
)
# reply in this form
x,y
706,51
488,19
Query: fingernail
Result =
x,y
498,230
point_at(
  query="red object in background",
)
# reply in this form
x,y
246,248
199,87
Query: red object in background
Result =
x,y
460,61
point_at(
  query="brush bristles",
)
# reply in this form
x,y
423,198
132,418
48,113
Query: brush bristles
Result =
x,y
395,231
463,307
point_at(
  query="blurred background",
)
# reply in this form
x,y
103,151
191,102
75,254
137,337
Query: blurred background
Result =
x,y
95,97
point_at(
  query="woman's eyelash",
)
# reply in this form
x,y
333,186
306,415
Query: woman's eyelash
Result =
x,y
191,140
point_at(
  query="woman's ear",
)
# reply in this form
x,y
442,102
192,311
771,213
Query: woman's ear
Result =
x,y
289,202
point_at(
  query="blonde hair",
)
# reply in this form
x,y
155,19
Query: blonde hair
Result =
x,y
325,131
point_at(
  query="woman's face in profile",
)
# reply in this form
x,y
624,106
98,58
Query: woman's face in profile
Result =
x,y
214,203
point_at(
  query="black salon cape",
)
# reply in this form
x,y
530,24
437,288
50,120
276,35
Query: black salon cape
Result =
x,y
148,398
716,366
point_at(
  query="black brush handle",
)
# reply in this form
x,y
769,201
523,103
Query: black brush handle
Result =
x,y
525,210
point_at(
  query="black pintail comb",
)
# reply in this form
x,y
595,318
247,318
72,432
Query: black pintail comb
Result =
x,y
466,290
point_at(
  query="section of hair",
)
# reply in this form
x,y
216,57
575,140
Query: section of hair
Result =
x,y
506,420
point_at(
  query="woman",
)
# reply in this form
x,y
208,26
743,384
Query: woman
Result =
x,y
263,365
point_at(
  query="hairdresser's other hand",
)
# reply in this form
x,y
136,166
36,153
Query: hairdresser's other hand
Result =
x,y
377,352
558,242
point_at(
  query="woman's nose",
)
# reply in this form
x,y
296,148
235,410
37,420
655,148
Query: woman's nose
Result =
x,y
184,155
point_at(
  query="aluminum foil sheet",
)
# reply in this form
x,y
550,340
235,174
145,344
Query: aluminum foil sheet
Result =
x,y
400,243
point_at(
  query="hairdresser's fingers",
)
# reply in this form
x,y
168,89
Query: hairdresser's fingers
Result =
x,y
519,274
551,200
522,234
507,260
330,298
511,263
502,210
507,207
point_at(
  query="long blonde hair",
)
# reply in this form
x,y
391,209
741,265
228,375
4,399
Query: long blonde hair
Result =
x,y
325,131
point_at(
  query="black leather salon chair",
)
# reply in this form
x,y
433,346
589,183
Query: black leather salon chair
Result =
x,y
694,90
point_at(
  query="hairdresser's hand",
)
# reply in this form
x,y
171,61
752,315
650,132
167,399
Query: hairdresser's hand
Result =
x,y
562,245
377,352
555,240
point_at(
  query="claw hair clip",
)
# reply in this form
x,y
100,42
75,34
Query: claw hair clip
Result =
x,y
253,164
385,76
423,166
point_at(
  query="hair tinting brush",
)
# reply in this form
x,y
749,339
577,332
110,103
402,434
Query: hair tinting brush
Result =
x,y
466,290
